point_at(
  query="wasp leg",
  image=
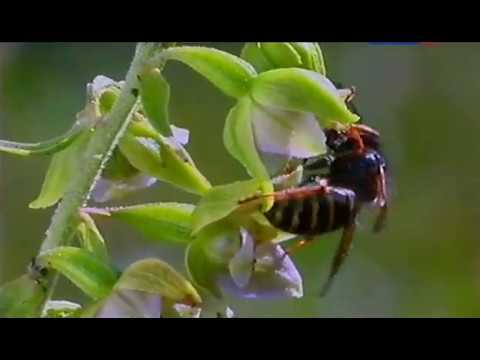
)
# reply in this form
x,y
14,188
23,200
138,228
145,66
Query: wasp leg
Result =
x,y
320,187
381,219
382,215
341,254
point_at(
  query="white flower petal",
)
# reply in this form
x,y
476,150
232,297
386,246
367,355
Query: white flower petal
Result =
x,y
182,136
131,304
101,83
287,133
241,265
187,311
274,276
107,190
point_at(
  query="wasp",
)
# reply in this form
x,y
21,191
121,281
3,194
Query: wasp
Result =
x,y
350,176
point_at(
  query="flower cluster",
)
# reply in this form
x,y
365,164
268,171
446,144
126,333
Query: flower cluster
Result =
x,y
284,100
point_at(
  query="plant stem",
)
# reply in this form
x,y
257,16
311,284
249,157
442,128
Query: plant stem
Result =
x,y
105,139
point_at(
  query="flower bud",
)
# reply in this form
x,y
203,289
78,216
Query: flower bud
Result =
x,y
144,155
311,55
265,56
155,96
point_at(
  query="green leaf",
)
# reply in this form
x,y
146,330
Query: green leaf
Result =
x,y
253,54
91,238
207,257
229,73
88,272
157,277
160,222
162,161
221,201
155,95
302,90
239,140
63,167
41,148
85,119
281,54
22,297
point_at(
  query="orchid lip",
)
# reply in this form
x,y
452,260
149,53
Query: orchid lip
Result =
x,y
273,275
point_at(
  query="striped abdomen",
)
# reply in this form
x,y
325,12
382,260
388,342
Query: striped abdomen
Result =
x,y
312,214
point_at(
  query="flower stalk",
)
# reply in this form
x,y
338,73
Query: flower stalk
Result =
x,y
104,141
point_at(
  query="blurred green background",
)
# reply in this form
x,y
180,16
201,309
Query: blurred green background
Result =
x,y
423,99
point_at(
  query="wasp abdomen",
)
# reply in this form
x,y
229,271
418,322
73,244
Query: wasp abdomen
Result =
x,y
319,213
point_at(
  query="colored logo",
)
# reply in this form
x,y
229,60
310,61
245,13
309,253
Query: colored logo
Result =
x,y
423,43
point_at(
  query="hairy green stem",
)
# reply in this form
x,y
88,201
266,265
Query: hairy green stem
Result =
x,y
105,139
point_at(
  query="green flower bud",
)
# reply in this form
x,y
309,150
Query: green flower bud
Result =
x,y
165,160
281,54
107,99
144,155
312,57
268,56
253,53
155,95
120,177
